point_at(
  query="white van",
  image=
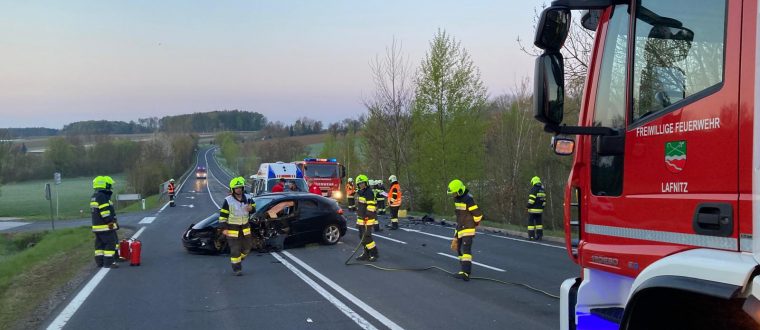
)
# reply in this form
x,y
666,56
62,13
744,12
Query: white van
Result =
x,y
271,173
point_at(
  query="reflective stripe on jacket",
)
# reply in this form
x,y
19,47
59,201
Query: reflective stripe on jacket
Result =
x,y
468,214
366,205
536,199
394,194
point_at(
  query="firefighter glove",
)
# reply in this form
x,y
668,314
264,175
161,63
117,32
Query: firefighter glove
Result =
x,y
455,245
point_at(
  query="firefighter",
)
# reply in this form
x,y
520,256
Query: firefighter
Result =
x,y
365,217
103,223
394,200
110,183
536,204
170,189
380,194
350,191
314,188
468,217
233,220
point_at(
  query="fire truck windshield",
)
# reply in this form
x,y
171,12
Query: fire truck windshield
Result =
x,y
321,171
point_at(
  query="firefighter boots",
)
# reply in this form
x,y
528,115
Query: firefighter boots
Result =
x,y
463,276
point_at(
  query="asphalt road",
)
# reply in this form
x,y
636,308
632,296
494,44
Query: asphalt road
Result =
x,y
310,287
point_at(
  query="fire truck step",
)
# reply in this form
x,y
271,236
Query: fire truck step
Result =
x,y
612,314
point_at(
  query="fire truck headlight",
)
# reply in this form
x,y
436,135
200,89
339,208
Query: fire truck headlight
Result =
x,y
337,195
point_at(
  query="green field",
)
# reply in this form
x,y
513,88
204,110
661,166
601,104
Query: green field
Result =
x,y
27,199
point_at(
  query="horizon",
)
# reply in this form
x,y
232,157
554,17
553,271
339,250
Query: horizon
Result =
x,y
88,60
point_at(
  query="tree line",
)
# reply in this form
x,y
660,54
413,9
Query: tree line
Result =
x,y
147,163
436,122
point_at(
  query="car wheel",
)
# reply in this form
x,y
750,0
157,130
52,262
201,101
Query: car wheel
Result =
x,y
331,234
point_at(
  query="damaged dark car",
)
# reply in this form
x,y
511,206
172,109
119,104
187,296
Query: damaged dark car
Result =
x,y
281,219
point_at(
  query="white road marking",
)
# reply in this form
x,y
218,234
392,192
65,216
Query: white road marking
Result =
x,y
528,242
381,236
162,208
217,164
429,234
73,306
147,220
366,308
11,224
137,234
205,156
474,263
358,319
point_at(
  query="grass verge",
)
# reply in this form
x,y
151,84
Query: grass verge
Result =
x,y
150,203
33,266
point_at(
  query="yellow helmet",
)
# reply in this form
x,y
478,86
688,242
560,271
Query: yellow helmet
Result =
x,y
456,187
109,181
535,180
361,178
99,182
237,182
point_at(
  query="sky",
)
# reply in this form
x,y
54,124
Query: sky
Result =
x,y
66,61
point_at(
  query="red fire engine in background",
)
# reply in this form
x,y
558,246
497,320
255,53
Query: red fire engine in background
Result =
x,y
327,173
664,190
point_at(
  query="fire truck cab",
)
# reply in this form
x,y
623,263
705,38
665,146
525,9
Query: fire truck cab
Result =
x,y
664,190
327,173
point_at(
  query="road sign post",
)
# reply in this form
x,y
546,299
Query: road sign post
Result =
x,y
50,200
57,178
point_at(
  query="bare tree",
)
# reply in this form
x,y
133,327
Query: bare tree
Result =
x,y
576,53
389,119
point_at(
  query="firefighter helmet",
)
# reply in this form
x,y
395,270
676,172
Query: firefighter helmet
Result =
x,y
350,179
109,182
392,178
361,178
238,182
456,187
535,180
171,180
99,182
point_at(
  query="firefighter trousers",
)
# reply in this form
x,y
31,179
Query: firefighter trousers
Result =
x,y
240,247
394,217
535,226
465,253
351,202
105,243
365,234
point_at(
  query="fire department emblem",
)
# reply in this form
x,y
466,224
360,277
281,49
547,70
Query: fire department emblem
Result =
x,y
675,156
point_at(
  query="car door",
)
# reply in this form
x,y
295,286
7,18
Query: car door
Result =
x,y
309,217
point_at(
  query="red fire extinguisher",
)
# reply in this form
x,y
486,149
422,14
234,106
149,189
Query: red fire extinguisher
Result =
x,y
124,249
134,258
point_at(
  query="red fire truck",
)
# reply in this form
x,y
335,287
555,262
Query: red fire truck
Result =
x,y
326,173
664,190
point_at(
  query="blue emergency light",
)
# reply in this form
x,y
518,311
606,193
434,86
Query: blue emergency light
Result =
x,y
334,160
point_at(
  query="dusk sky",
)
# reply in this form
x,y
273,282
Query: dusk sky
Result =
x,y
65,61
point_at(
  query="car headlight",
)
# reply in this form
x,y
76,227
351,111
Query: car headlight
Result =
x,y
337,194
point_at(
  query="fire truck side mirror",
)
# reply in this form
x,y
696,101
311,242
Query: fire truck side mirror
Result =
x,y
552,28
549,89
563,146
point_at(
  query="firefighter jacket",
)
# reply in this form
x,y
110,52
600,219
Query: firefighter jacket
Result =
x,y
350,190
394,194
536,199
366,205
233,215
102,215
468,215
170,188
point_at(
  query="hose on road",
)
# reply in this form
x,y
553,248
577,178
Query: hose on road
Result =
x,y
349,262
